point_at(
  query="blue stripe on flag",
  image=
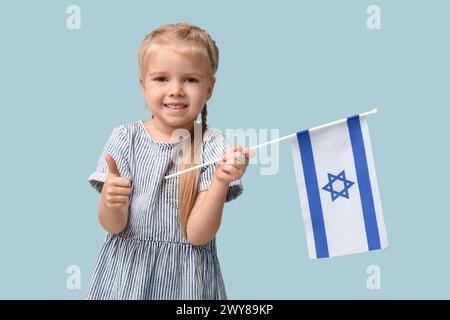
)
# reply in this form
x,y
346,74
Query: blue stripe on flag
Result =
x,y
365,189
312,189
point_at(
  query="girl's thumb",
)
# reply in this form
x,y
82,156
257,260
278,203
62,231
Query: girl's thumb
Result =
x,y
112,166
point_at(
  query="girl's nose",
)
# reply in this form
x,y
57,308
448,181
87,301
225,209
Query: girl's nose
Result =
x,y
176,88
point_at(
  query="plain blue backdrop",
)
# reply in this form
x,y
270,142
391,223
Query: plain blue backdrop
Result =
x,y
288,65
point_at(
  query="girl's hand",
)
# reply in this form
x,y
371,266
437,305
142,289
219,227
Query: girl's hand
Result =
x,y
116,189
233,164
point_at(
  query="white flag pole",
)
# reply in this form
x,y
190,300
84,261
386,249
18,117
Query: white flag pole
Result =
x,y
373,111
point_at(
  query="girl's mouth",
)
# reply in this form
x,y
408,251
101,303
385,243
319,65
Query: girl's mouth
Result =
x,y
175,107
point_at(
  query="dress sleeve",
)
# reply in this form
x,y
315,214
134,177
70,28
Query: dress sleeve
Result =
x,y
117,146
213,148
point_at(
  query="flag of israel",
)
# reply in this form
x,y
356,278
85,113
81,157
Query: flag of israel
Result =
x,y
338,189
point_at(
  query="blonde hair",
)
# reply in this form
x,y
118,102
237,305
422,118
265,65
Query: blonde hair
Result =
x,y
188,39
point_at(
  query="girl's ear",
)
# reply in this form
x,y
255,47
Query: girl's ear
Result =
x,y
142,83
211,88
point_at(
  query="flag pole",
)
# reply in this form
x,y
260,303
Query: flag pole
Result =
x,y
329,124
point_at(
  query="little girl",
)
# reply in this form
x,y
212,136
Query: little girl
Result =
x,y
161,232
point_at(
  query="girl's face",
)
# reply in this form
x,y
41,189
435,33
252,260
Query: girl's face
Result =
x,y
176,86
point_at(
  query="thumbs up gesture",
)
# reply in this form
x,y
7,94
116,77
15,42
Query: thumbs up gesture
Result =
x,y
116,189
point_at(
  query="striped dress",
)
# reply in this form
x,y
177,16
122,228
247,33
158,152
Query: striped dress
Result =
x,y
150,259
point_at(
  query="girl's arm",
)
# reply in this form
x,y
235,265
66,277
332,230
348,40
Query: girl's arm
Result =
x,y
206,214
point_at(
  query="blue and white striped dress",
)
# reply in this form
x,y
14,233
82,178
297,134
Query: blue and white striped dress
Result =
x,y
150,259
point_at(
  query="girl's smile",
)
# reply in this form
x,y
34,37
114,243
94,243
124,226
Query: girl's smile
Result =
x,y
176,106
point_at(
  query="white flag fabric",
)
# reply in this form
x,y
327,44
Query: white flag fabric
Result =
x,y
338,189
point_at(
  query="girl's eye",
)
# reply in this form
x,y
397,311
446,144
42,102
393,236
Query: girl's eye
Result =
x,y
192,80
160,78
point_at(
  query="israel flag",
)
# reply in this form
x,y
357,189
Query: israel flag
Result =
x,y
338,189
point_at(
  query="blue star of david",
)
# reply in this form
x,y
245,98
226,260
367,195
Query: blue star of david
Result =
x,y
329,186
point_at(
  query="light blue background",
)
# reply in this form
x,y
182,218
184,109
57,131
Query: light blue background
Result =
x,y
287,64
